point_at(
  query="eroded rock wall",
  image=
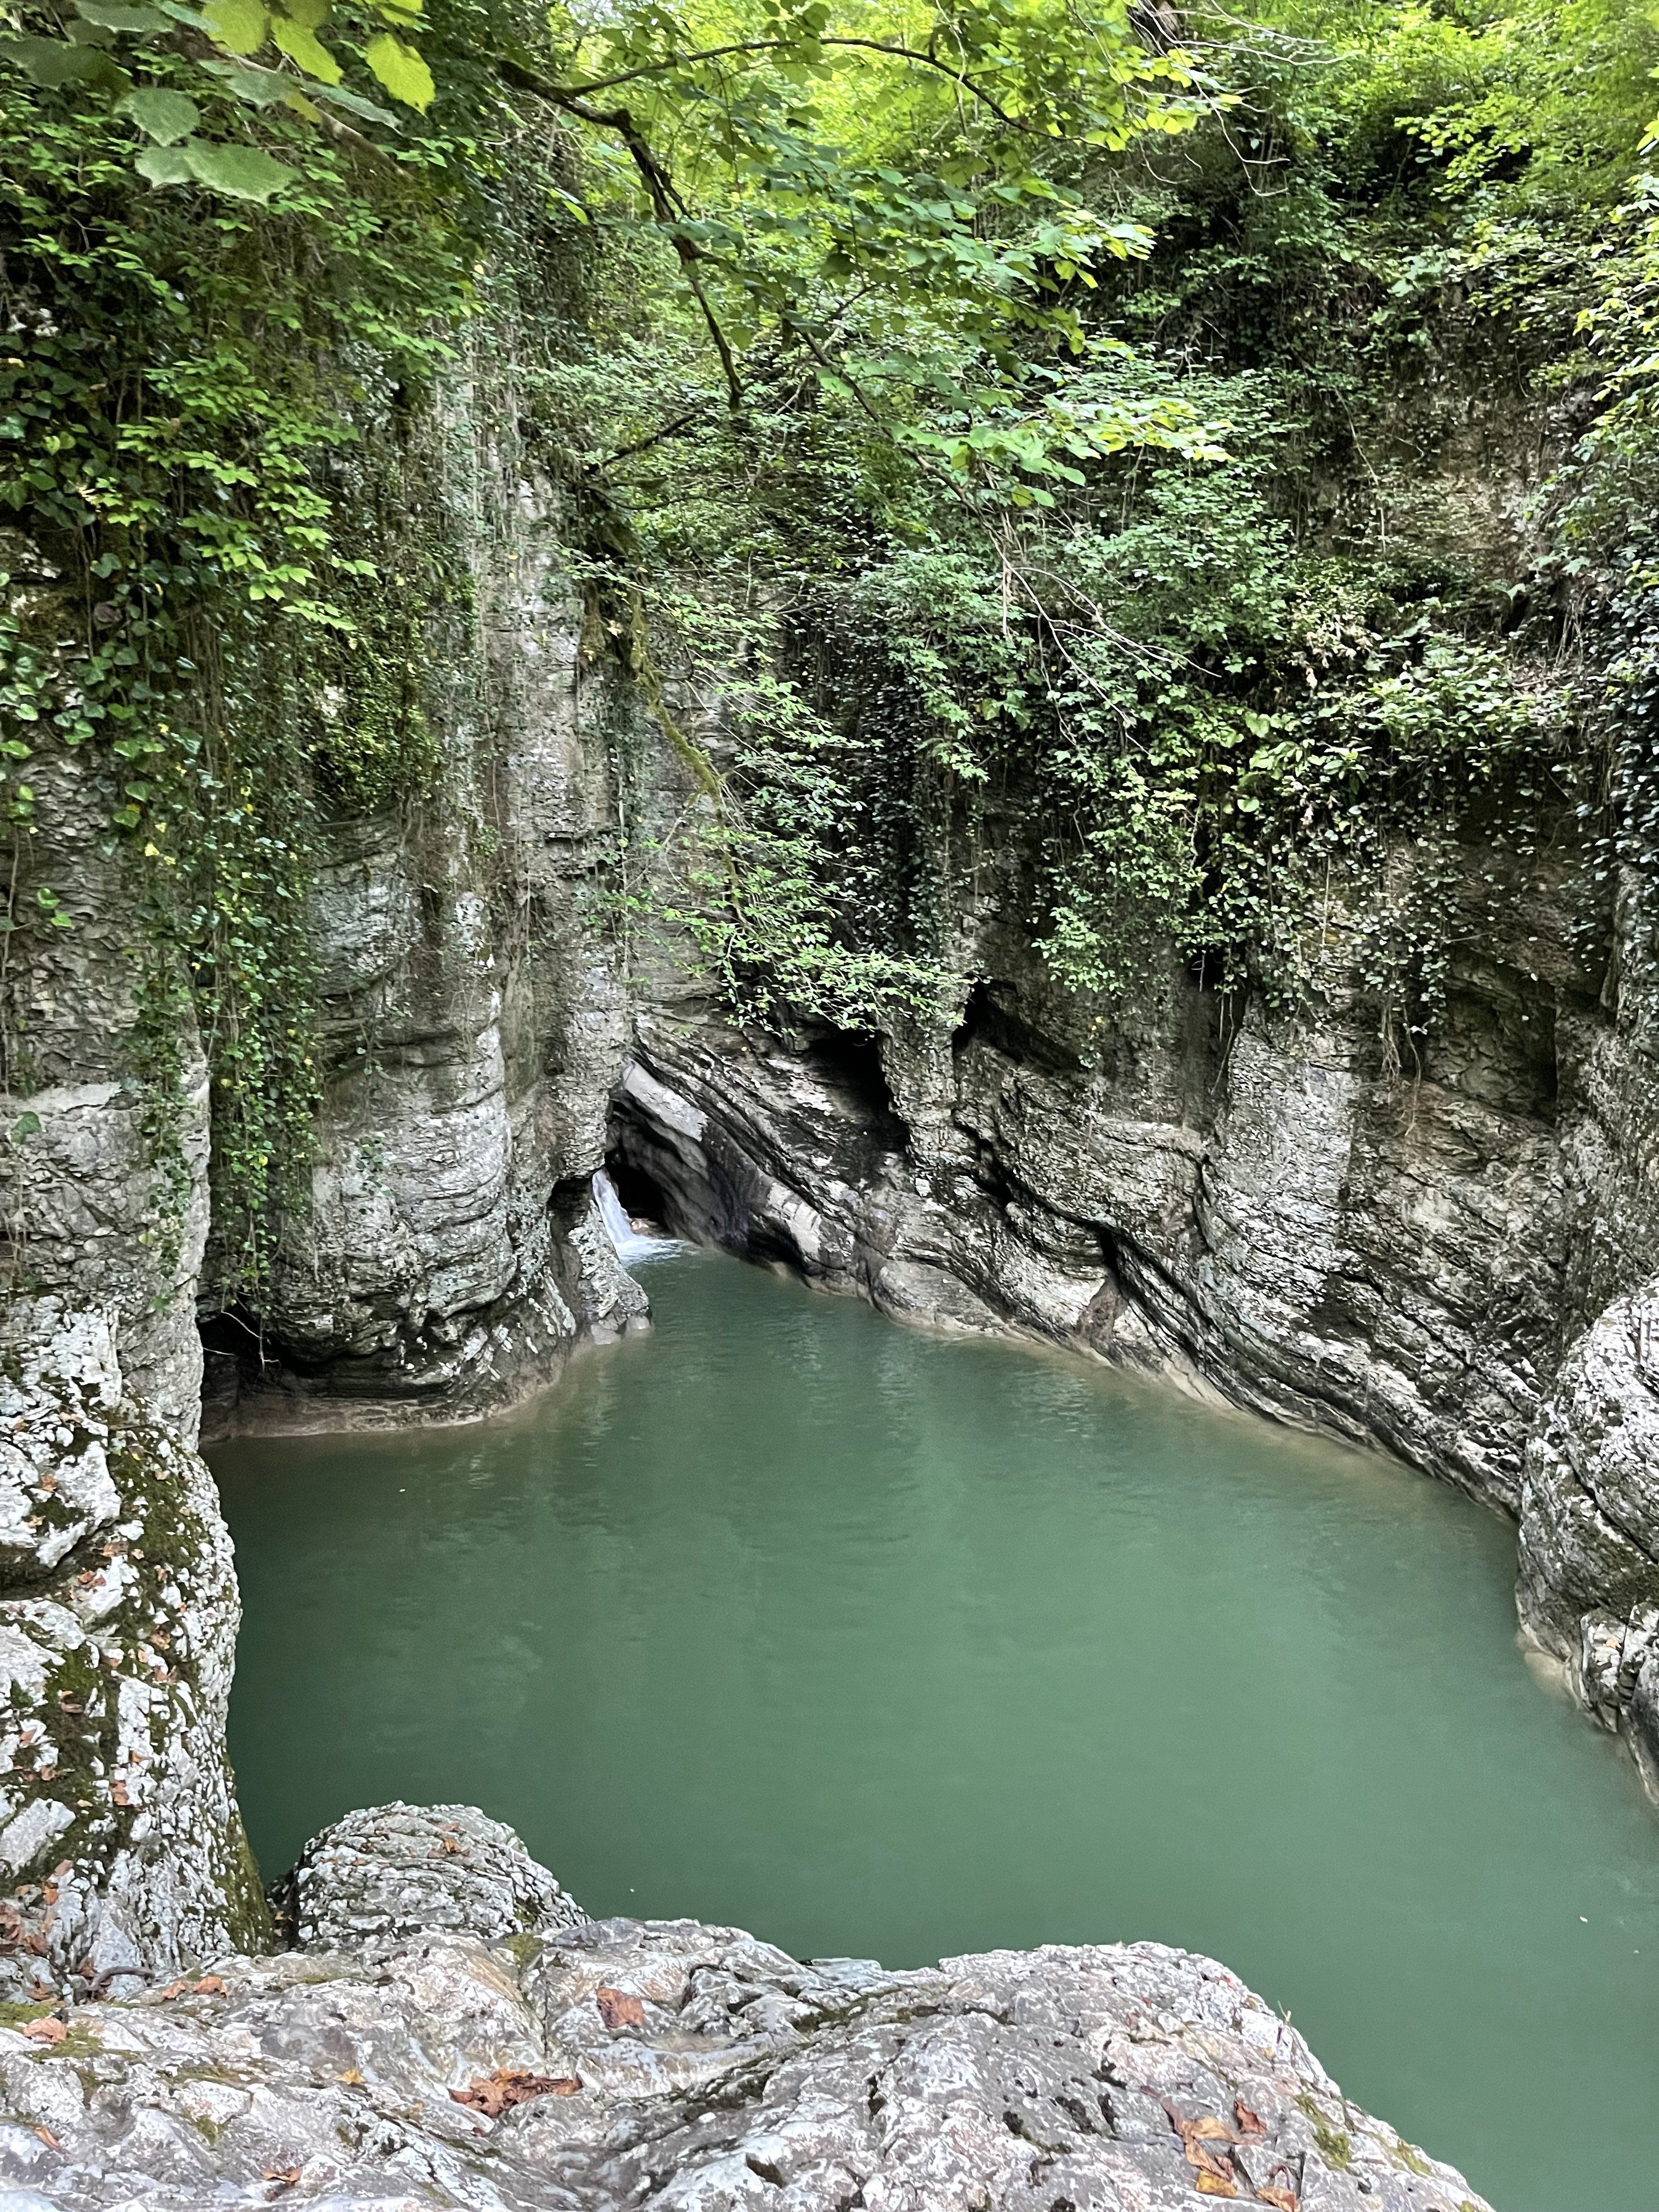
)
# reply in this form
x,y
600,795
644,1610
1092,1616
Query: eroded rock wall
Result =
x,y
472,1020
121,1848
1260,1204
474,1013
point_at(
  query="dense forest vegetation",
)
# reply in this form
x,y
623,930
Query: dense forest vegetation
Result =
x,y
956,415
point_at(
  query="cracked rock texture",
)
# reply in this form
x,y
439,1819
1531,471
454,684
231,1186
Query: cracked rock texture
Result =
x,y
473,1019
473,1013
121,1848
394,1870
620,2064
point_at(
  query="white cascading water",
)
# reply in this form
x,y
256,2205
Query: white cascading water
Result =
x,y
631,1247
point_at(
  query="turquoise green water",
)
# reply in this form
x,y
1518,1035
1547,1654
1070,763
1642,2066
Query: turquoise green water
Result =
x,y
879,1644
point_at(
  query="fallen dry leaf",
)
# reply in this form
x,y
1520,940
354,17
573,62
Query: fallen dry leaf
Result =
x,y
1282,2200
1208,2130
1216,2184
1219,2169
173,1989
117,1791
1250,2122
210,1986
47,2029
285,2176
492,2093
48,2138
352,2077
618,2009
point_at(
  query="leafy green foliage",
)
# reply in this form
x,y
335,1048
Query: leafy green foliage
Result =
x,y
1203,645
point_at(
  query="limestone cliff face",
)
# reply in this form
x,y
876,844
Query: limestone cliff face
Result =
x,y
473,1022
121,1848
474,1017
1253,1203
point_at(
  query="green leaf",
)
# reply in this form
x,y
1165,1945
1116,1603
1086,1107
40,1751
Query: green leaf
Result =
x,y
302,45
109,16
401,71
239,26
354,104
256,87
53,61
243,171
26,1125
165,165
165,116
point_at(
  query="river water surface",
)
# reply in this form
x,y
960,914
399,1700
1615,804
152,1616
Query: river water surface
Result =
x,y
880,1645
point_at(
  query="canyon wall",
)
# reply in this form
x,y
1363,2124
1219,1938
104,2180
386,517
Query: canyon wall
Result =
x,y
1449,1260
448,1259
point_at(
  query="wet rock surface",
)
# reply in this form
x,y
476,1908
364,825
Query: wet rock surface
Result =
x,y
1590,1530
618,2063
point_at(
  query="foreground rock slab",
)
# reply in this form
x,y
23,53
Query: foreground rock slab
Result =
x,y
620,2064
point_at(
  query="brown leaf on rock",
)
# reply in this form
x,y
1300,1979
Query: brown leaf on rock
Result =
x,y
173,1989
618,2009
1208,2130
1216,2184
48,2138
1283,2200
48,2029
285,2176
493,2093
210,1986
1247,2122
118,1793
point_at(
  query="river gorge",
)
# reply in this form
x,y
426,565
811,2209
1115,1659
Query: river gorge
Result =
x,y
888,1642
828,1106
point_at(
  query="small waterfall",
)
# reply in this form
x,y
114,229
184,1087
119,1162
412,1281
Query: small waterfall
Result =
x,y
630,1246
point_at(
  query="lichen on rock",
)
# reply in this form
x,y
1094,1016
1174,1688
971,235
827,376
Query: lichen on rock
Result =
x,y
121,1848
393,1870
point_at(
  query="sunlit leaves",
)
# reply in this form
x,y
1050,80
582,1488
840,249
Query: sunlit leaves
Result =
x,y
295,34
401,71
240,26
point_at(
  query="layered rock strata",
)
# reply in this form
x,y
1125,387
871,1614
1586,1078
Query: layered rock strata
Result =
x,y
473,1014
472,1019
1262,1207
618,2063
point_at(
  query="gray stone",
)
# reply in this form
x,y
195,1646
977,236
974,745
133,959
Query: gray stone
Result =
x,y
696,2069
121,1850
396,1870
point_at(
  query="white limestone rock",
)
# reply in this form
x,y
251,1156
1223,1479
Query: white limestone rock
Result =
x,y
624,2063
393,1870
